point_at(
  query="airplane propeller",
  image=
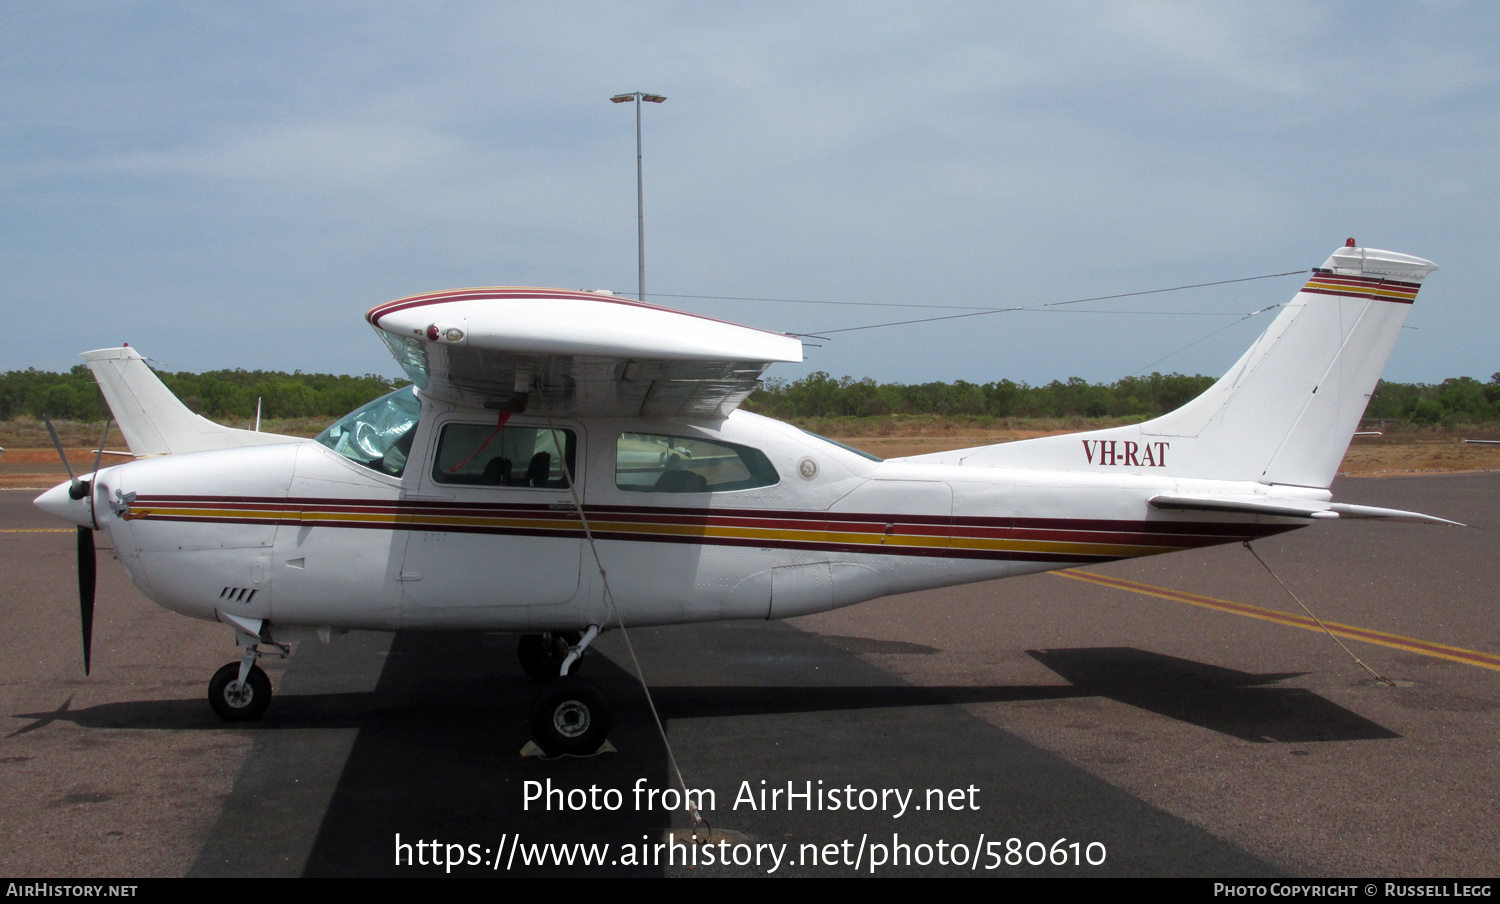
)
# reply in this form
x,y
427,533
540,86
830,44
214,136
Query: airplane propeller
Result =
x,y
87,559
86,569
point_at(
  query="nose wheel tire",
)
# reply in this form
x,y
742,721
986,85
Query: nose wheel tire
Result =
x,y
570,716
542,655
234,702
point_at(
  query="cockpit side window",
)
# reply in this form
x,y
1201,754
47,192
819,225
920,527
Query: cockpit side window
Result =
x,y
490,455
650,463
379,435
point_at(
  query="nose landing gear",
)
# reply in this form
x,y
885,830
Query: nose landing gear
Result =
x,y
240,691
236,700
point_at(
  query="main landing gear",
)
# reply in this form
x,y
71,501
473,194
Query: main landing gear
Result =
x,y
542,655
570,715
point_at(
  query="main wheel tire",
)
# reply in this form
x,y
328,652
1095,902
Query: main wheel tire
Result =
x,y
570,716
542,655
239,704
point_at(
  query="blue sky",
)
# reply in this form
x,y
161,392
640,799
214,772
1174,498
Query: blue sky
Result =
x,y
234,184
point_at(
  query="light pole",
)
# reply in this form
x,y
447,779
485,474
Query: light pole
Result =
x,y
640,198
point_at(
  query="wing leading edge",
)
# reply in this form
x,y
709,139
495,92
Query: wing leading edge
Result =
x,y
583,353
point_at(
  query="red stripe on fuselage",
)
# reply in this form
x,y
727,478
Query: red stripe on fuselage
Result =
x,y
409,515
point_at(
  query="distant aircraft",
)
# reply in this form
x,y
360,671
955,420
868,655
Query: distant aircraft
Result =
x,y
570,462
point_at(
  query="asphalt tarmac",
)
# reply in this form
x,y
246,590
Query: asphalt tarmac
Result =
x,y
1166,727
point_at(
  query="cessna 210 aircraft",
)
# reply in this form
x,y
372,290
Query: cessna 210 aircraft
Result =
x,y
571,462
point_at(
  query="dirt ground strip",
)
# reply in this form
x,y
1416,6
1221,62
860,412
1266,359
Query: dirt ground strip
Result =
x,y
1399,453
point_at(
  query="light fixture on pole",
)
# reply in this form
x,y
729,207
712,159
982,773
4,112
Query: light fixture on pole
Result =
x,y
640,202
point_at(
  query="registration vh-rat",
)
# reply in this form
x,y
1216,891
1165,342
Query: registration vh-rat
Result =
x,y
566,463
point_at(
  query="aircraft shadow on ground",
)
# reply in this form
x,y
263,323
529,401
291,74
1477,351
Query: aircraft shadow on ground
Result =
x,y
1239,704
436,758
431,752
1231,702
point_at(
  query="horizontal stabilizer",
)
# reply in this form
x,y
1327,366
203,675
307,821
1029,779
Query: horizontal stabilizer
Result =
x,y
1369,511
1286,508
1247,504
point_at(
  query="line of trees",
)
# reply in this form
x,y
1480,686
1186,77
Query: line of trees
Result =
x,y
221,395
1459,400
230,395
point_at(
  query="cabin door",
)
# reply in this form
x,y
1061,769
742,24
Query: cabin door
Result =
x,y
492,523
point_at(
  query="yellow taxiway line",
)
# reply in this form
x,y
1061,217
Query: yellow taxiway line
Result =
x,y
1394,641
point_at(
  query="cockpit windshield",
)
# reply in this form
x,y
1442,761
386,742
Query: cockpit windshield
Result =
x,y
380,434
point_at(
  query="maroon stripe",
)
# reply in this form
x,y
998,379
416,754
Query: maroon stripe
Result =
x,y
1312,291
417,301
402,522
929,552
1086,529
1329,275
944,552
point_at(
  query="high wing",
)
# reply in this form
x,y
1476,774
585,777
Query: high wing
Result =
x,y
583,353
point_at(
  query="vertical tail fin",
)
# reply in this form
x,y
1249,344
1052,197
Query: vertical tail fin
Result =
x,y
1284,413
153,421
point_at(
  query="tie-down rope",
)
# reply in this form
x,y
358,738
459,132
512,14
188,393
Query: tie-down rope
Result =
x,y
1374,674
609,599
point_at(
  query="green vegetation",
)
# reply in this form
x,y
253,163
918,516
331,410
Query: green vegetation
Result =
x,y
1456,400
221,395
819,395
229,396
1459,400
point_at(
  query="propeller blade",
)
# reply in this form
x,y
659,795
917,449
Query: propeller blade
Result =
x,y
99,452
76,492
86,567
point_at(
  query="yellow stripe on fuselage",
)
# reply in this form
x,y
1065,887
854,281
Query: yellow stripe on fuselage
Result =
x,y
568,522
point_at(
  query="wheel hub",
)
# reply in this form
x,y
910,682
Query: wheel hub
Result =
x,y
238,694
571,718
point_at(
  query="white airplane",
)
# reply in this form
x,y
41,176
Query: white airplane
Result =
x,y
571,462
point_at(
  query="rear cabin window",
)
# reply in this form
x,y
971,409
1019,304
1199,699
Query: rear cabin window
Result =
x,y
482,455
650,463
